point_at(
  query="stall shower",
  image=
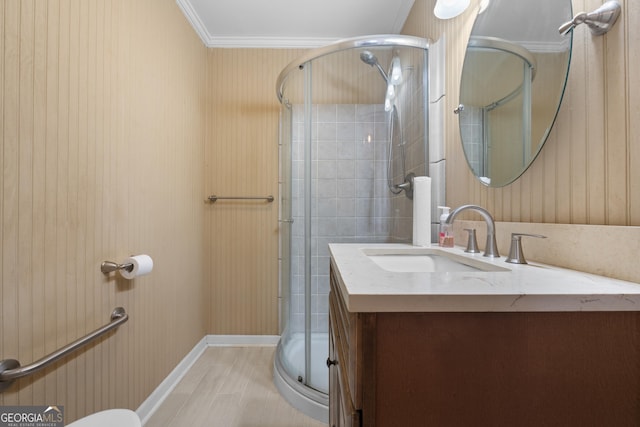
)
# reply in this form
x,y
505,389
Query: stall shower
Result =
x,y
354,131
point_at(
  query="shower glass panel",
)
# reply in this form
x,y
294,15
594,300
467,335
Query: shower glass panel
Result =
x,y
341,172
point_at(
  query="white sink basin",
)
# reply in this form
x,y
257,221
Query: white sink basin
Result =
x,y
425,260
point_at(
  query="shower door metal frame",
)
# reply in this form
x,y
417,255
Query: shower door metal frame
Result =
x,y
356,42
308,198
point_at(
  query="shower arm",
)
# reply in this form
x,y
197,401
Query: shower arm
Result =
x,y
382,72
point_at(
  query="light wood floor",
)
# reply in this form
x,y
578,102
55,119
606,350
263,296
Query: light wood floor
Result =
x,y
229,386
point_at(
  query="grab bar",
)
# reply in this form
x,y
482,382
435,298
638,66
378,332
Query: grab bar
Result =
x,y
215,198
11,370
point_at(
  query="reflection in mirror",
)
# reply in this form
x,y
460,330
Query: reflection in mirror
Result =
x,y
513,79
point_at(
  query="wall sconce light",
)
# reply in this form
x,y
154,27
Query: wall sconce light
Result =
x,y
599,21
447,9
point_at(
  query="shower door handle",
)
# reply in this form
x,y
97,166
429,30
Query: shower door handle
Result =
x,y
331,362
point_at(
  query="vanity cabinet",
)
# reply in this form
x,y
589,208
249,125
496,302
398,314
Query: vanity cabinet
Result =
x,y
482,368
349,385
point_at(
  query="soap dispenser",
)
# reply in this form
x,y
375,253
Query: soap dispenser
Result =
x,y
445,234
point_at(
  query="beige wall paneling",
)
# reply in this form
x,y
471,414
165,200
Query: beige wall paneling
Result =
x,y
39,181
102,124
564,162
242,160
616,104
594,137
633,110
11,83
576,94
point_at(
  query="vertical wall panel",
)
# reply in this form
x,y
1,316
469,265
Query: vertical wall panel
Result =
x,y
242,160
549,157
595,135
10,199
633,109
103,128
616,121
562,188
50,194
577,95
25,156
39,179
2,133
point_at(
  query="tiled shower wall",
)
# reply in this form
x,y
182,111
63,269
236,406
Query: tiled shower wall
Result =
x,y
351,201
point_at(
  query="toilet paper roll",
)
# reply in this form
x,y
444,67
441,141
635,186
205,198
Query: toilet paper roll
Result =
x,y
422,211
142,264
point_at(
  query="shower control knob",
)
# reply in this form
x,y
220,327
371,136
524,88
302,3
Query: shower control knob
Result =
x,y
331,362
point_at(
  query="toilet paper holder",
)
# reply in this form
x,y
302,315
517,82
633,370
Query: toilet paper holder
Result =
x,y
131,267
109,266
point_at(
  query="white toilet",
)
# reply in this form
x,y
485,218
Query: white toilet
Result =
x,y
109,418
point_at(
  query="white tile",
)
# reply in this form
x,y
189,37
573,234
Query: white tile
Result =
x,y
436,131
437,70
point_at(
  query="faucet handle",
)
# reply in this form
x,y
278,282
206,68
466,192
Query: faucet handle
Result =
x,y
516,256
472,242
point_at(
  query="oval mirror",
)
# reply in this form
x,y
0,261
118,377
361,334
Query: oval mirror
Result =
x,y
513,78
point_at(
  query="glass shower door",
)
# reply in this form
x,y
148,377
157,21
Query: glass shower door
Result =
x,y
336,152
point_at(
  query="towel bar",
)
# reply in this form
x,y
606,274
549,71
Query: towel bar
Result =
x,y
215,198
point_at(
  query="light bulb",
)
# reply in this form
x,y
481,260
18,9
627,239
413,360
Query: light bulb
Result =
x,y
447,9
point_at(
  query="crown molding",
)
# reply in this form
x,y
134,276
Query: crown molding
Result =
x,y
258,41
268,42
194,20
247,41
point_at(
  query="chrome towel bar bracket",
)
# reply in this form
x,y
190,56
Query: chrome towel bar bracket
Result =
x,y
10,369
215,198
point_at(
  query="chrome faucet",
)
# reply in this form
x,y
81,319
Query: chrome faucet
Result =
x,y
490,248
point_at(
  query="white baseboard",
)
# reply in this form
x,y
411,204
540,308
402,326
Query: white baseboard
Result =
x,y
155,399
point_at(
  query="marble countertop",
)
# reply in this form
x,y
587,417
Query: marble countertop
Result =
x,y
367,287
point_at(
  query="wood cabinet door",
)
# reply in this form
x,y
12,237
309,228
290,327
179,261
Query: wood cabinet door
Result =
x,y
334,386
342,412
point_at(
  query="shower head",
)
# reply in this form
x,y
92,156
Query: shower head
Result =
x,y
369,58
